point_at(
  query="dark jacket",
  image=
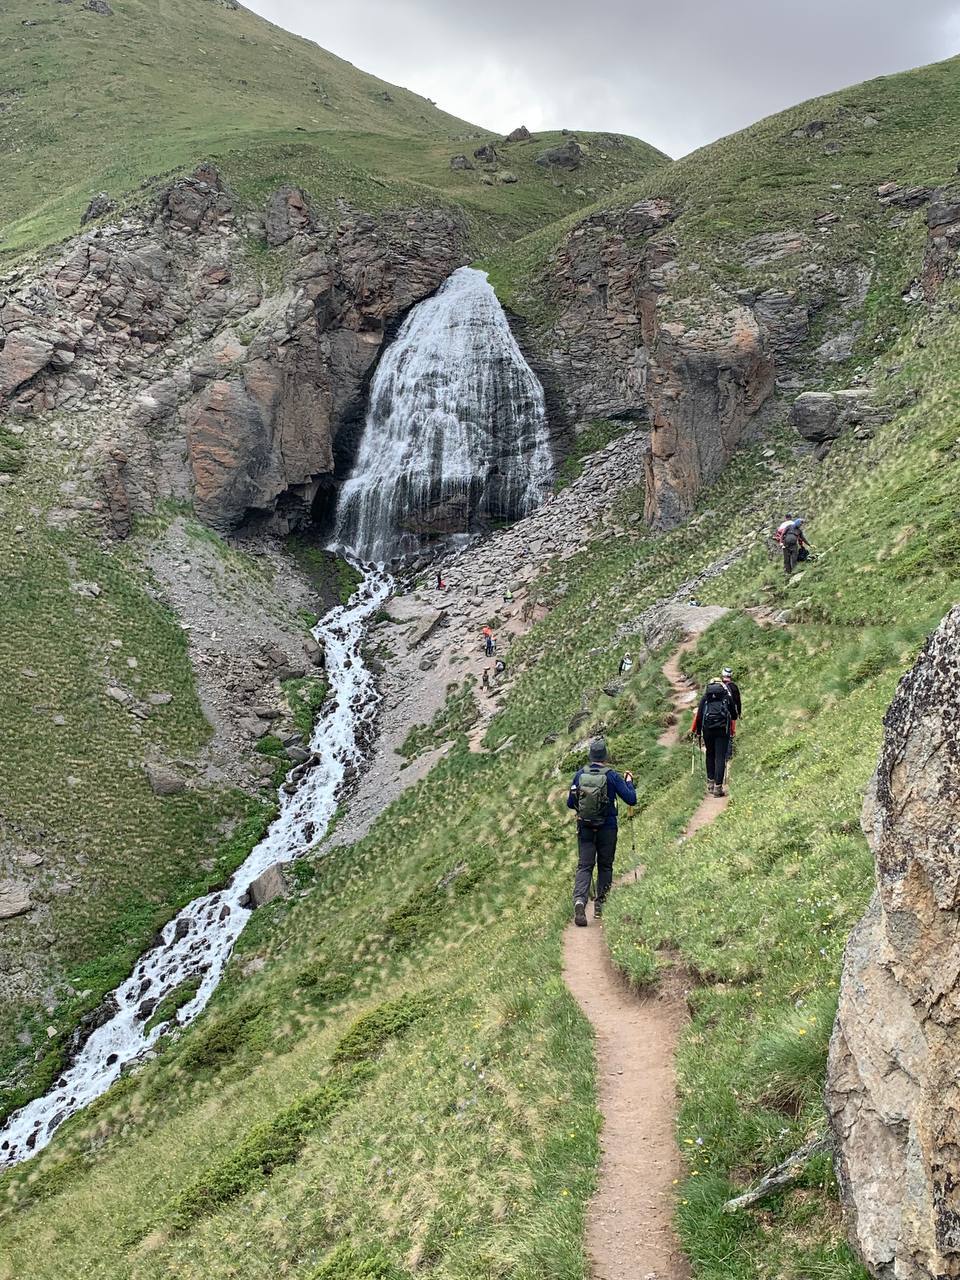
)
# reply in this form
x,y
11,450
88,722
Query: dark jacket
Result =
x,y
698,718
733,689
616,786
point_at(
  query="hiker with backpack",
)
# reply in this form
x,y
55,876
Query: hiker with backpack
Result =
x,y
593,796
790,536
726,675
711,725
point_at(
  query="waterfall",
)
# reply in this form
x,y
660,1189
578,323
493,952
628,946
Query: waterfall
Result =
x,y
455,433
198,941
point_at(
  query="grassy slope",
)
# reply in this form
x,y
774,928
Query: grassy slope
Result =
x,y
763,179
91,102
469,1141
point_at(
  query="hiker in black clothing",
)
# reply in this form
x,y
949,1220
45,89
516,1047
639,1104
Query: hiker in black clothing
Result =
x,y
712,725
593,794
726,675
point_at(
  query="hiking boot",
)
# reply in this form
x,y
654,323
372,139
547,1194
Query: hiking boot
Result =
x,y
598,909
719,791
580,914
711,787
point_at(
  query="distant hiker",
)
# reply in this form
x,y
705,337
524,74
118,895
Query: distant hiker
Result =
x,y
486,679
792,540
508,596
593,795
626,664
726,675
499,667
441,585
490,645
711,724
778,535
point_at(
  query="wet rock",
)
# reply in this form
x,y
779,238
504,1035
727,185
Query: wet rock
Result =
x,y
163,781
314,652
893,1094
268,886
297,754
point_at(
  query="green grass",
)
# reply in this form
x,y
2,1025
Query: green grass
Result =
x,y
118,860
471,1146
765,180
90,103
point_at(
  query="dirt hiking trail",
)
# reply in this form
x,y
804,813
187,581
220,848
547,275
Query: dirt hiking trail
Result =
x,y
629,1221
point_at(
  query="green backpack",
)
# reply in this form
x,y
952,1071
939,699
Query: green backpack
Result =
x,y
593,798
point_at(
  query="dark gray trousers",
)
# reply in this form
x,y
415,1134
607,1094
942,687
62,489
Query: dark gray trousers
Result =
x,y
790,554
596,849
717,742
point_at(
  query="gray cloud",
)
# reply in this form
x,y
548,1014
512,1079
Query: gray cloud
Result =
x,y
678,73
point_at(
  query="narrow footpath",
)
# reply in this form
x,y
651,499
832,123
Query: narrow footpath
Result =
x,y
629,1225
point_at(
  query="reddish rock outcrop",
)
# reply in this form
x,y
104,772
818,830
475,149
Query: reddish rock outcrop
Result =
x,y
893,1092
943,242
617,354
243,422
706,384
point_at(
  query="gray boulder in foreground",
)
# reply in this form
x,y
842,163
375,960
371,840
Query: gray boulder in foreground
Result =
x,y
893,1078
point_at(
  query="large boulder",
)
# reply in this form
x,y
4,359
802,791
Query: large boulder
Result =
x,y
288,214
14,899
568,155
943,240
268,886
708,383
893,1090
822,416
23,355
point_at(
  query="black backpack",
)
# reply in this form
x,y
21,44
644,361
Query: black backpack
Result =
x,y
716,709
593,798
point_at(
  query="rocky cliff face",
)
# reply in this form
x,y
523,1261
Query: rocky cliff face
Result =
x,y
893,1092
209,387
618,353
643,325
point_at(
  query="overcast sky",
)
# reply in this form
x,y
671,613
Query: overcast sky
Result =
x,y
678,73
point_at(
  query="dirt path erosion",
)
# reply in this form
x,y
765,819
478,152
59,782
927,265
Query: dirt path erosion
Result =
x,y
629,1222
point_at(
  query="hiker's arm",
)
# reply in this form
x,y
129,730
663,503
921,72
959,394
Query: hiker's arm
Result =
x,y
624,789
572,793
695,727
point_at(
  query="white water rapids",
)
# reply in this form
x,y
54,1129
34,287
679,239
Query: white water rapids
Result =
x,y
199,940
455,433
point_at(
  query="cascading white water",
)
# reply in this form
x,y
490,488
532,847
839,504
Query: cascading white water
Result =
x,y
455,432
199,940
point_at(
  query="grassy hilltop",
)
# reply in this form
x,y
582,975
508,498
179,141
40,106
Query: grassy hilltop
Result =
x,y
92,101
813,171
404,1085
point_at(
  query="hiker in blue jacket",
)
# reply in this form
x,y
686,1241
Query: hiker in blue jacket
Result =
x,y
593,795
